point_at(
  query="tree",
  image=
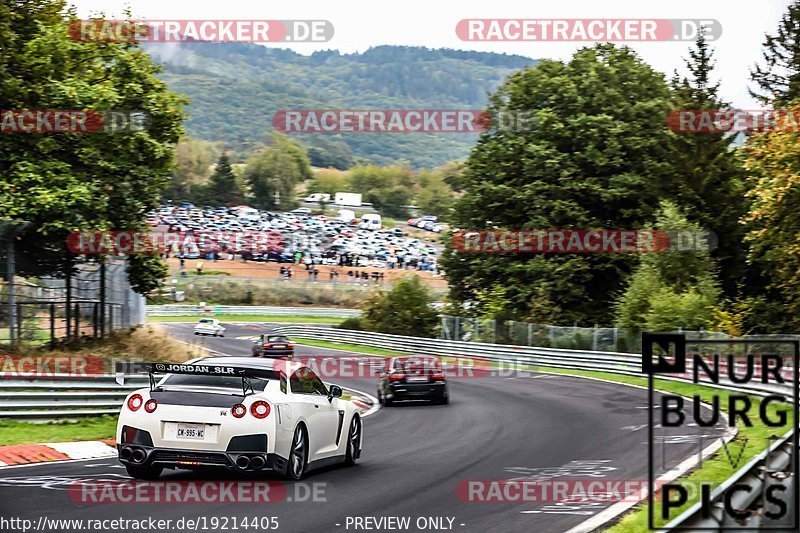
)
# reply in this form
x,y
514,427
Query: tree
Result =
x,y
598,157
405,310
274,172
389,189
223,187
778,79
772,162
432,194
673,288
329,181
79,181
709,183
193,167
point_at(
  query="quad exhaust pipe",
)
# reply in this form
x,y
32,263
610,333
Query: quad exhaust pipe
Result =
x,y
257,463
138,455
247,462
130,453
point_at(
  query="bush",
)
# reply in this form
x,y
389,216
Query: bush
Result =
x,y
354,323
405,310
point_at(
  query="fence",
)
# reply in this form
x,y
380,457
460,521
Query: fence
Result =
x,y
195,310
547,336
94,301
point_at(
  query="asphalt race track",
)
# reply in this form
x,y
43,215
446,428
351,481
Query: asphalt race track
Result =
x,y
414,457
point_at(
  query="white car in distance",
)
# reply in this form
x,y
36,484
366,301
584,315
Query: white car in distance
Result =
x,y
209,326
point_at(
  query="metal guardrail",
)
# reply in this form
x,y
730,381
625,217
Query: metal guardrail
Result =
x,y
64,396
767,469
213,310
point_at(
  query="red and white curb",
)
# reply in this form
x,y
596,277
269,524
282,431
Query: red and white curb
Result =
x,y
55,451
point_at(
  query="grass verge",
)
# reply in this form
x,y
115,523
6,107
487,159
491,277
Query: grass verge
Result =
x,y
298,319
15,432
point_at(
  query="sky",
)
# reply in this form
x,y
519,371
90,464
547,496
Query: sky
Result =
x,y
360,24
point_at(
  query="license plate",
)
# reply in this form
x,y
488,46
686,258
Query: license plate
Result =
x,y
191,431
279,346
416,379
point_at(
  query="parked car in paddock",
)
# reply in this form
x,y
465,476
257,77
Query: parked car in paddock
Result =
x,y
412,378
209,326
238,413
273,346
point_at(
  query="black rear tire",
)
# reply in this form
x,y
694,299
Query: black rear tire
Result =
x,y
148,473
298,455
353,451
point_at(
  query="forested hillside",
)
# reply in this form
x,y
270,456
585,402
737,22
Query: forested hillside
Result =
x,y
236,88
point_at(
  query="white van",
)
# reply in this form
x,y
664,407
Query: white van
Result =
x,y
370,221
346,215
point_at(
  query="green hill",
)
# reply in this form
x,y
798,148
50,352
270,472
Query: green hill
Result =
x,y
236,88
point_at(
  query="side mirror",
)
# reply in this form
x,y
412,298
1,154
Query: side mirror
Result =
x,y
334,392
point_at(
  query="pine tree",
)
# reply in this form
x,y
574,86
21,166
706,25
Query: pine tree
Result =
x,y
709,177
779,77
223,187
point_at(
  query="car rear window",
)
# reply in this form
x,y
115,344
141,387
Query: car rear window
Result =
x,y
277,338
206,321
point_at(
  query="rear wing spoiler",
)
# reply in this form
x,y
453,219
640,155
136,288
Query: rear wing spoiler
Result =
x,y
123,369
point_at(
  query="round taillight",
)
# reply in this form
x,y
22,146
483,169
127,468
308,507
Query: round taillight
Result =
x,y
260,409
150,406
135,402
238,410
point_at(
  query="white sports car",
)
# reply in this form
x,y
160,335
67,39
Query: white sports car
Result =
x,y
235,412
209,326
